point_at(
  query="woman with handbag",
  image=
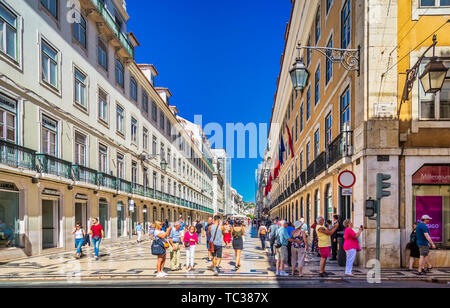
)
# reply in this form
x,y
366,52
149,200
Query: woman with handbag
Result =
x,y
190,240
79,239
97,234
238,232
414,252
159,247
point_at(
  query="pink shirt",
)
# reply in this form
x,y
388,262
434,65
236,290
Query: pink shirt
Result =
x,y
350,240
192,238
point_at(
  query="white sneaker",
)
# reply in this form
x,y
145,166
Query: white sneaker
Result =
x,y
278,273
164,274
283,273
158,275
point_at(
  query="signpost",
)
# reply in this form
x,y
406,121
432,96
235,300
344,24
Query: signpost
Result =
x,y
347,179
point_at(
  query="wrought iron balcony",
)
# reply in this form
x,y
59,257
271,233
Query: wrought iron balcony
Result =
x,y
107,181
335,150
51,165
16,156
85,175
320,163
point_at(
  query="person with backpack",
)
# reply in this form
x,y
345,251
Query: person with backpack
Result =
x,y
159,247
272,234
79,239
262,233
216,233
281,250
414,252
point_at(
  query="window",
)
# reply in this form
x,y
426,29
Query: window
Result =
x,y
154,112
103,158
50,62
345,108
49,133
119,119
317,86
80,149
317,26
329,63
145,139
102,55
308,153
169,127
428,3
328,130
133,89
79,31
308,104
8,32
119,74
308,52
51,6
120,166
133,172
328,3
301,161
145,101
154,145
302,115
163,151
162,120
345,25
102,106
435,106
80,89
7,119
316,143
134,130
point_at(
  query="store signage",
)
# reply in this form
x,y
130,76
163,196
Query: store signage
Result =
x,y
8,186
347,179
431,206
50,192
131,205
432,174
81,197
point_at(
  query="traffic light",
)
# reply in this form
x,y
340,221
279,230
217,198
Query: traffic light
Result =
x,y
370,208
382,185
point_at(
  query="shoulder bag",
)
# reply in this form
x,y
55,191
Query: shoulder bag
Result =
x,y
211,243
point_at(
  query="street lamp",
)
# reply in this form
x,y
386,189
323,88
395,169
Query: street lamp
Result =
x,y
433,76
163,164
299,75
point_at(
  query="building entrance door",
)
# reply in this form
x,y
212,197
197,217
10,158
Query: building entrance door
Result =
x,y
81,214
50,229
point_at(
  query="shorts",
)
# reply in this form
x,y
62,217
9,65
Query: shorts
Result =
x,y
217,252
298,256
281,254
325,252
424,251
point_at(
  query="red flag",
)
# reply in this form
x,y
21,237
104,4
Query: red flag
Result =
x,y
291,144
270,182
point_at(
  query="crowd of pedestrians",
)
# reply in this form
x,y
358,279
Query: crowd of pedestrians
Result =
x,y
290,243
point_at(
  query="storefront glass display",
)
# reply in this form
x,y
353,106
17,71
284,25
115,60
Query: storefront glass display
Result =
x,y
9,219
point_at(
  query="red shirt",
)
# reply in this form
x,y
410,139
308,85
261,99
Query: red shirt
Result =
x,y
97,230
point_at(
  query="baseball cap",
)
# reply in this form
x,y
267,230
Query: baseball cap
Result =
x,y
425,217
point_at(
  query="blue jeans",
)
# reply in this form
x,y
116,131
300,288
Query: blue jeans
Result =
x,y
79,244
96,245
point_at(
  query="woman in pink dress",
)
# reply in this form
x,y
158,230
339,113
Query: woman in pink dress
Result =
x,y
227,236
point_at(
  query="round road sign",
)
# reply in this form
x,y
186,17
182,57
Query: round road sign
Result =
x,y
347,179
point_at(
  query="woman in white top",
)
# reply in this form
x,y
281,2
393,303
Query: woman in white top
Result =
x,y
161,258
79,239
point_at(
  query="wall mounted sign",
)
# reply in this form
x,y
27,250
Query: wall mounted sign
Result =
x,y
81,197
431,206
8,186
347,179
432,174
347,192
50,192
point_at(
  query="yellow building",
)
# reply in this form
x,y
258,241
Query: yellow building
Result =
x,y
346,120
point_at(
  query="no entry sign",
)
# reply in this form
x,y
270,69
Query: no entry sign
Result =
x,y
347,179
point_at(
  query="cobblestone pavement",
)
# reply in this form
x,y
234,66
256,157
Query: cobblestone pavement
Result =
x,y
134,262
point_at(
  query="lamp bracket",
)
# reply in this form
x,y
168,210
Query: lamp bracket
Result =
x,y
349,58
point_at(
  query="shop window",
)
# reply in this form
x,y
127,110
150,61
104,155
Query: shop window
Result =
x,y
9,219
103,216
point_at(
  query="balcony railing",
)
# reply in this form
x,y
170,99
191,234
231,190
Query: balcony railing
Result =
x,y
99,5
320,163
85,175
55,166
335,150
125,186
16,156
107,181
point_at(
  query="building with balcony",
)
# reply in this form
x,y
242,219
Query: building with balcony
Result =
x,y
84,131
356,120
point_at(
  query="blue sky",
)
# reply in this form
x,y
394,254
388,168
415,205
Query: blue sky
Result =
x,y
219,59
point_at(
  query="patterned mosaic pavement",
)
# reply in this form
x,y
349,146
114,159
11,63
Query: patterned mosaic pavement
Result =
x,y
132,261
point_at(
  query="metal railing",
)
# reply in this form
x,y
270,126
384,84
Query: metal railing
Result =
x,y
107,181
85,175
16,156
55,166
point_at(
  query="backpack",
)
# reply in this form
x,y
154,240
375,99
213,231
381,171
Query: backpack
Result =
x,y
277,242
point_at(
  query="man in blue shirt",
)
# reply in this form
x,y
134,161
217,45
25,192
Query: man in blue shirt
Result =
x,y
281,253
174,248
423,240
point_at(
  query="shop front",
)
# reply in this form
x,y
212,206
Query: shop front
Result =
x,y
9,216
431,196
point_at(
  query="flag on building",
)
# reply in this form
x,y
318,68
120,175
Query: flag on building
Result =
x,y
291,144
